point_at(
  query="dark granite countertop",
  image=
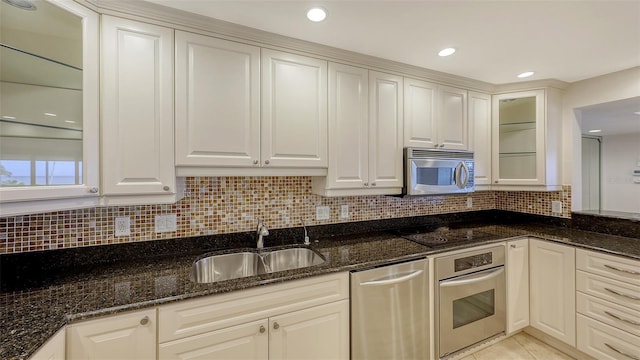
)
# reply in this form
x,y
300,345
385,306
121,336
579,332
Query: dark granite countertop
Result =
x,y
29,317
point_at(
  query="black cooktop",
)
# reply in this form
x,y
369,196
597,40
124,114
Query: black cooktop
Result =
x,y
442,237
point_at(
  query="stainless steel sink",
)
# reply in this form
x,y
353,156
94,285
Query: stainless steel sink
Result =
x,y
242,264
288,259
227,266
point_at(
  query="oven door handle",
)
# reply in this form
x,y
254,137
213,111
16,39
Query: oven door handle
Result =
x,y
393,280
458,173
473,278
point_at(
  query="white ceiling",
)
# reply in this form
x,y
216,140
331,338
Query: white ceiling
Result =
x,y
496,40
613,118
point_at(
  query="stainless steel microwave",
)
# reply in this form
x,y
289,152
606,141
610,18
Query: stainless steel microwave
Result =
x,y
437,171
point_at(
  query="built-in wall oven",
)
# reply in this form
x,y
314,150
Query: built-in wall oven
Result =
x,y
471,298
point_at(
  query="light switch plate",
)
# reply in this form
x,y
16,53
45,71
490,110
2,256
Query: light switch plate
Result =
x,y
122,226
166,223
469,202
344,212
322,213
556,207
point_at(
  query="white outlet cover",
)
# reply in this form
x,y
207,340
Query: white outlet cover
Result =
x,y
171,222
122,226
344,212
322,213
556,207
160,223
469,202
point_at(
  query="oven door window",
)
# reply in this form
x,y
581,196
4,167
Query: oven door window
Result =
x,y
473,308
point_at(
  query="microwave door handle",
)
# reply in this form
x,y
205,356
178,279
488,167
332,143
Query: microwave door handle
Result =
x,y
462,167
471,279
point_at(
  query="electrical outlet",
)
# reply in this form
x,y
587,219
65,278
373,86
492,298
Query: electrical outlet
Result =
x,y
556,207
166,223
469,202
344,212
322,213
123,226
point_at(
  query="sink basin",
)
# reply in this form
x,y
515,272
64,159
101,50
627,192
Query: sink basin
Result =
x,y
227,266
242,264
288,259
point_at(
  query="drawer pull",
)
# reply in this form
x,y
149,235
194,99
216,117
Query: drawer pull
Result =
x,y
622,353
622,270
632,322
621,294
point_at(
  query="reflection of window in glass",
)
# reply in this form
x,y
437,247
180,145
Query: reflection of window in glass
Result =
x,y
15,172
40,172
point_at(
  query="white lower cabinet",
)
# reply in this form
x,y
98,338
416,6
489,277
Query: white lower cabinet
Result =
x,y
608,294
517,265
127,336
552,289
54,349
303,319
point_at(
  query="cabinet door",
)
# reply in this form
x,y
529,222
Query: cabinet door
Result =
x,y
420,98
54,349
321,332
246,341
480,136
385,130
348,127
519,138
517,285
294,110
217,102
137,108
453,130
552,289
128,336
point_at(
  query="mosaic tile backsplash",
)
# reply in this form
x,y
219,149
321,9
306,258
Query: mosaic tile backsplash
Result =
x,y
217,205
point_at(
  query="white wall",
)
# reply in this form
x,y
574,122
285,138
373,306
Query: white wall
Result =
x,y
610,87
620,156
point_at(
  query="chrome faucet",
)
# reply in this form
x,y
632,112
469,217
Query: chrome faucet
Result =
x,y
306,234
261,232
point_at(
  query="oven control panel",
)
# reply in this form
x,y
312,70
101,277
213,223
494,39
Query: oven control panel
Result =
x,y
474,261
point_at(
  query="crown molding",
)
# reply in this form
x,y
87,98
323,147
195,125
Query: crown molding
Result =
x,y
181,20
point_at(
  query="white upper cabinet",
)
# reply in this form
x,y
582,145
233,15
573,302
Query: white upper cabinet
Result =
x,y
435,115
527,138
385,130
137,109
294,111
480,136
217,102
55,103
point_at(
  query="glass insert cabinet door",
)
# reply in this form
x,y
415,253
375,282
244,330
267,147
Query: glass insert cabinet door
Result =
x,y
48,101
518,138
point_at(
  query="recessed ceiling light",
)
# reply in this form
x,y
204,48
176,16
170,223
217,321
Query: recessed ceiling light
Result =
x,y
70,121
21,4
8,117
595,131
637,113
50,114
526,74
446,52
317,14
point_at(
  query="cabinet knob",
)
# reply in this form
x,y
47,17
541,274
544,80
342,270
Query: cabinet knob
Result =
x,y
496,181
266,162
441,145
366,184
93,190
166,188
262,329
276,325
435,146
255,162
373,184
513,246
144,320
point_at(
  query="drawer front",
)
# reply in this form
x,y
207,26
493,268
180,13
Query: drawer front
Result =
x,y
614,267
605,342
618,292
198,316
609,313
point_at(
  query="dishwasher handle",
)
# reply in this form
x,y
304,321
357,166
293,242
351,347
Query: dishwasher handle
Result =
x,y
395,280
473,278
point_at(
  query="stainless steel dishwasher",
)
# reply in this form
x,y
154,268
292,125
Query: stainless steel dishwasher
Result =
x,y
389,312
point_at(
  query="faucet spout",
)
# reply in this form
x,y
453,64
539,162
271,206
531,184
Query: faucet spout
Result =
x,y
261,232
306,234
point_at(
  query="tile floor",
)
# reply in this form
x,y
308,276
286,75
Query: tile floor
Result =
x,y
519,347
